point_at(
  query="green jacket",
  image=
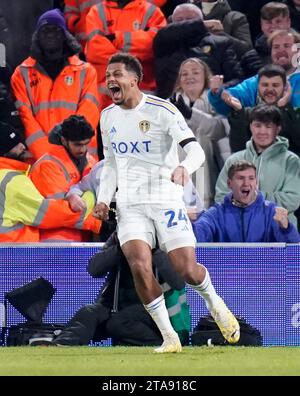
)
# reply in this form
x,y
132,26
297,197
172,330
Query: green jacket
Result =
x,y
278,174
240,128
179,313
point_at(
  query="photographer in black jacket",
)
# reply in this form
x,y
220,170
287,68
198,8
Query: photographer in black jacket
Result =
x,y
118,312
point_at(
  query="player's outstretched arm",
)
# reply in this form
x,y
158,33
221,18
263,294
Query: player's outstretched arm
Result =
x,y
194,155
180,176
108,175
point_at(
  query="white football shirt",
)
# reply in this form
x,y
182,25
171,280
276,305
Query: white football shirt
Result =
x,y
141,152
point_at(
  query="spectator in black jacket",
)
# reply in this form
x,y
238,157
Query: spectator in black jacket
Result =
x,y
273,16
220,19
170,6
188,37
20,17
8,111
294,7
252,9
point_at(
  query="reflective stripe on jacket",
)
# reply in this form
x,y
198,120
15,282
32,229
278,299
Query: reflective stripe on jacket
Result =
x,y
158,3
53,175
44,103
23,210
134,26
75,13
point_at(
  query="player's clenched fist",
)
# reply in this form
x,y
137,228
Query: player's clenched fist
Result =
x,y
281,216
101,211
180,175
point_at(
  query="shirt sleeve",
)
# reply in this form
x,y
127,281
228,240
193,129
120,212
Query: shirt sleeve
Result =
x,y
177,126
183,135
108,177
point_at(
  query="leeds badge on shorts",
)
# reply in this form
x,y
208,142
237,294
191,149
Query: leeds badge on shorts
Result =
x,y
144,126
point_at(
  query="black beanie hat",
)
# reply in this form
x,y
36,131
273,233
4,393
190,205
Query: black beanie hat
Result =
x,y
52,17
9,138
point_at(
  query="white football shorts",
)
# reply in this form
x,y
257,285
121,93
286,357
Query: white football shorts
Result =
x,y
171,226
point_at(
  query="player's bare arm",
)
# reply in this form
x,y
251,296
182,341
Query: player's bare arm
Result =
x,y
101,211
180,176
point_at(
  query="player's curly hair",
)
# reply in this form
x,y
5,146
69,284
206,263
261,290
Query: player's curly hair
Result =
x,y
131,63
76,128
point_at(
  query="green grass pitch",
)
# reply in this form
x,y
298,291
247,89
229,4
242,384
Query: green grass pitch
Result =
x,y
131,361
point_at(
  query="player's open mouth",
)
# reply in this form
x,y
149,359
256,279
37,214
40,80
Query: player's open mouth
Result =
x,y
115,92
245,192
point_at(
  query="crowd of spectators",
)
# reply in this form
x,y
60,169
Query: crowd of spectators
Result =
x,y
231,67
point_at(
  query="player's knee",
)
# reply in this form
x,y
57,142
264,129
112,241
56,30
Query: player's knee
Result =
x,y
192,275
139,264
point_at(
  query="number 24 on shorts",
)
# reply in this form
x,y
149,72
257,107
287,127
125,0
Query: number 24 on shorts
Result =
x,y
172,217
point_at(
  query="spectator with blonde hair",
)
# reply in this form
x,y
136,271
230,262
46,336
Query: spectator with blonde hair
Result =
x,y
185,37
190,97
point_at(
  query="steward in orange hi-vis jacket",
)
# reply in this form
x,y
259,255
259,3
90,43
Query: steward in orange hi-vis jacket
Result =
x,y
62,167
53,83
24,211
158,3
122,25
75,13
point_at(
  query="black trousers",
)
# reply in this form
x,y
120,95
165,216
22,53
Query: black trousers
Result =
x,y
81,328
130,326
133,326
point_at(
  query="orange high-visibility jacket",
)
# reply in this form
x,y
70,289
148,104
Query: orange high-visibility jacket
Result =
x,y
44,103
24,211
134,26
75,13
53,175
158,3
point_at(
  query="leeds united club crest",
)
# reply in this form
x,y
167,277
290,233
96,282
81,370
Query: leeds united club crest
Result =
x,y
69,80
144,126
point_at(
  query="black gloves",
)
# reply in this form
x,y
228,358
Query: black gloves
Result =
x,y
184,109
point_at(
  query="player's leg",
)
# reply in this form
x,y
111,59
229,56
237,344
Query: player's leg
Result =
x,y
197,276
176,237
139,257
136,234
